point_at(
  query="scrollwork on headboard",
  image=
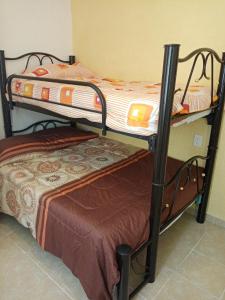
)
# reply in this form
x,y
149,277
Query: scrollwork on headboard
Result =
x,y
41,56
204,54
42,125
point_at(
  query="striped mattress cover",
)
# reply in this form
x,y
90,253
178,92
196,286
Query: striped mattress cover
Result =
x,y
132,106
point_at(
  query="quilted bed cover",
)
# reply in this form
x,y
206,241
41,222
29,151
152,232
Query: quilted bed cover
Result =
x,y
132,106
81,196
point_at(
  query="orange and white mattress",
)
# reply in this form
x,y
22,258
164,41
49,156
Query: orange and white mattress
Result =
x,y
132,106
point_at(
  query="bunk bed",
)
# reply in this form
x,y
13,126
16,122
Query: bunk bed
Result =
x,y
171,180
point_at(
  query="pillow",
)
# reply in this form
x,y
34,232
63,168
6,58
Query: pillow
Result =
x,y
44,140
47,70
78,70
63,71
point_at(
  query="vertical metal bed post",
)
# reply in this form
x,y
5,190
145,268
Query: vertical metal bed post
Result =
x,y
124,261
213,143
170,63
5,104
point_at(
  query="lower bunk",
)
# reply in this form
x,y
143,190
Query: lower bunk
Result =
x,y
86,198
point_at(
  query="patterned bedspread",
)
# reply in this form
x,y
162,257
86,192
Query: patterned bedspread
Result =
x,y
132,106
24,179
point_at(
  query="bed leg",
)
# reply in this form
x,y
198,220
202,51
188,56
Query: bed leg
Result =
x,y
213,143
123,257
151,260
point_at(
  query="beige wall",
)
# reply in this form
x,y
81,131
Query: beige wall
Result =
x,y
124,39
31,25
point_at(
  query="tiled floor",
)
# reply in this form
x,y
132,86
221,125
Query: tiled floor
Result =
x,y
191,266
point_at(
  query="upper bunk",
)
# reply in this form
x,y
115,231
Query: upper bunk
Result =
x,y
70,90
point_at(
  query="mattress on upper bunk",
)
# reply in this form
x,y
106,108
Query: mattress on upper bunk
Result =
x,y
132,106
77,191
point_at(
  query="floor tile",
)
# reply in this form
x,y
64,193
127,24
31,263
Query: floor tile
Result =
x,y
70,283
179,288
21,279
150,290
22,238
204,272
139,296
178,241
215,230
7,224
213,245
48,262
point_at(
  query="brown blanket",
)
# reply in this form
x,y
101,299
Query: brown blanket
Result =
x,y
45,140
84,220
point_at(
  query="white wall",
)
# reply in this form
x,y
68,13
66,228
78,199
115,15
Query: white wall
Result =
x,y
33,25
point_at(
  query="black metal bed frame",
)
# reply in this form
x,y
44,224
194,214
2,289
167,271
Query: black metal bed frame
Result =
x,y
158,143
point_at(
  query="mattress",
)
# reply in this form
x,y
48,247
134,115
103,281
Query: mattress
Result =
x,y
77,191
132,106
